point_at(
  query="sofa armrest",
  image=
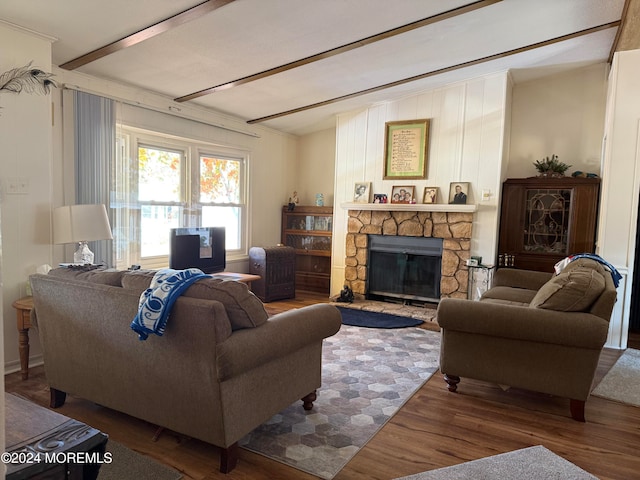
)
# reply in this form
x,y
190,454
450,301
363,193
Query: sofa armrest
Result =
x,y
513,277
577,329
282,334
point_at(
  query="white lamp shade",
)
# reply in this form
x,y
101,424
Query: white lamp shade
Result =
x,y
80,223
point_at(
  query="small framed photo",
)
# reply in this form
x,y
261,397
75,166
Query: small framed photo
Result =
x,y
362,192
430,195
380,198
458,192
403,194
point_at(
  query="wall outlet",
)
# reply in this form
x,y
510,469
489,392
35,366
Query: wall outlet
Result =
x,y
17,186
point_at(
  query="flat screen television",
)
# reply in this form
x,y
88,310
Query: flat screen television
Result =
x,y
198,247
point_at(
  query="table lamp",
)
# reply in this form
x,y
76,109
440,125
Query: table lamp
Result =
x,y
81,224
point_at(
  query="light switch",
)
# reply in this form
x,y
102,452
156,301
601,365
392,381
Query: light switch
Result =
x,y
486,195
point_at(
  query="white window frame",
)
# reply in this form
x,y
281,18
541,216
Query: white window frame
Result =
x,y
129,140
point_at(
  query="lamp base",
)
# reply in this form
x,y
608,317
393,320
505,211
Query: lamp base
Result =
x,y
83,255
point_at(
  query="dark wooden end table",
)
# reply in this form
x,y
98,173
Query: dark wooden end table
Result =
x,y
42,444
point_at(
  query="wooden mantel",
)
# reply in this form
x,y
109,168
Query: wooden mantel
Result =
x,y
410,207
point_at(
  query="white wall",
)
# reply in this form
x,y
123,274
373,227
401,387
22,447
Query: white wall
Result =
x,y
561,114
621,185
316,166
466,140
25,136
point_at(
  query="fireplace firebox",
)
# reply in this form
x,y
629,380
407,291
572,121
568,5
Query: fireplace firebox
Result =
x,y
406,269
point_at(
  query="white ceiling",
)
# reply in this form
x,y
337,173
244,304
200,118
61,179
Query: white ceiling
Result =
x,y
246,37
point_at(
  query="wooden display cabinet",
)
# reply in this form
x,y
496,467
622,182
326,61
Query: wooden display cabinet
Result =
x,y
308,230
543,220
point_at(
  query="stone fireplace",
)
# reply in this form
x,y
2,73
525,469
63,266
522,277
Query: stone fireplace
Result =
x,y
454,228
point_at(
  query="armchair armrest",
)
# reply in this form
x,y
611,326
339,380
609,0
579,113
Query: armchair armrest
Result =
x,y
578,329
513,277
282,334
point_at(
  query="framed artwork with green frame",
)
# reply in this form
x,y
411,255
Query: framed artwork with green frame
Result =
x,y
406,145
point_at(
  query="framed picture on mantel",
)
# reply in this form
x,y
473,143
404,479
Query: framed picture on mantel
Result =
x,y
458,192
403,194
405,146
362,192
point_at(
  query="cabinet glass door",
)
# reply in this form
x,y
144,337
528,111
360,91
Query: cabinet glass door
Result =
x,y
309,242
546,228
320,223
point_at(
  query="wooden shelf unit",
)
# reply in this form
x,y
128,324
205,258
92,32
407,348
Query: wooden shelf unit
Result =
x,y
308,230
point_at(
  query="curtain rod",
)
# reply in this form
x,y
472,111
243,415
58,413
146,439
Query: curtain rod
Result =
x,y
171,110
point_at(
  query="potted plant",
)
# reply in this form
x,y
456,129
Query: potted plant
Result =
x,y
551,167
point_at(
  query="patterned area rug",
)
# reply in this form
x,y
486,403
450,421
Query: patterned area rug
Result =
x,y
533,463
622,382
367,375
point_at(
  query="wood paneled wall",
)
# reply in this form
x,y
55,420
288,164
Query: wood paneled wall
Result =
x,y
466,143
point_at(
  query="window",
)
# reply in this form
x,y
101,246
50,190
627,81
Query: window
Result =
x,y
160,198
162,183
220,196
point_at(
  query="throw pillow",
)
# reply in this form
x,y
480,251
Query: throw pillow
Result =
x,y
244,309
585,263
572,291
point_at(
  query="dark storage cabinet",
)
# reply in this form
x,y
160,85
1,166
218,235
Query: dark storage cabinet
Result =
x,y
308,230
277,269
543,220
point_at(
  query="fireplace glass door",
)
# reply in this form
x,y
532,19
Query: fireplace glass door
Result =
x,y
407,268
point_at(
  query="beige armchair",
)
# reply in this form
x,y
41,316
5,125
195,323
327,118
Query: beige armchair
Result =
x,y
531,330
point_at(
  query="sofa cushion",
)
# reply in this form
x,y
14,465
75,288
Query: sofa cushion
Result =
x,y
571,291
244,309
138,280
500,301
94,275
510,294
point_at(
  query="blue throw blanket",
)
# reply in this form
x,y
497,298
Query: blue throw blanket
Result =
x,y
615,275
156,301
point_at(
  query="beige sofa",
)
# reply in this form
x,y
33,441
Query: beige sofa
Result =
x,y
221,368
531,330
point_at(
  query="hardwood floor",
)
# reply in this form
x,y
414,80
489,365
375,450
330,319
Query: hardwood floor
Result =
x,y
434,429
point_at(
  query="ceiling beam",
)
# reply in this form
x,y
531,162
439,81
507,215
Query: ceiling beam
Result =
x,y
342,49
441,71
176,20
